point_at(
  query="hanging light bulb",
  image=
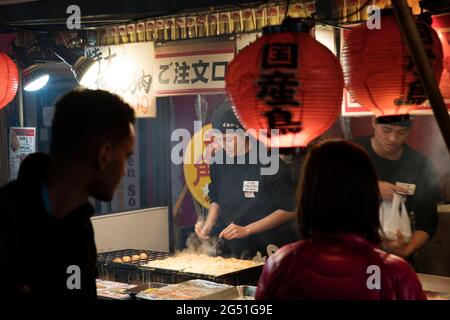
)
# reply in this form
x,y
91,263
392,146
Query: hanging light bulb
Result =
x,y
33,78
84,69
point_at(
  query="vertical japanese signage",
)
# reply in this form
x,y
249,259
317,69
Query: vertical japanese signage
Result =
x,y
127,196
278,85
192,67
127,70
22,142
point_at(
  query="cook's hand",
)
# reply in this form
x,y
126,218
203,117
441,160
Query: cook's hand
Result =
x,y
202,229
233,231
387,190
398,247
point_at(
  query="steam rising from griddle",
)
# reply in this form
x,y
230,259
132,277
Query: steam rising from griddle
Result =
x,y
197,246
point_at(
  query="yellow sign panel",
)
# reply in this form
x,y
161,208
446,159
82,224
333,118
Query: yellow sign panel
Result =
x,y
196,164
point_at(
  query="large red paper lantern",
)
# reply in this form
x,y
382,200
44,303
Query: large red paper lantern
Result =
x,y
9,79
286,81
379,71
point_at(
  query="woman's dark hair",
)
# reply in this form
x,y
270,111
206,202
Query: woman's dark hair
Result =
x,y
85,118
338,191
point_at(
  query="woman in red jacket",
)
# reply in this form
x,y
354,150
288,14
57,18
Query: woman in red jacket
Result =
x,y
339,258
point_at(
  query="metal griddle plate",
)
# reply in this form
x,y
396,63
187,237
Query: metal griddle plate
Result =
x,y
202,275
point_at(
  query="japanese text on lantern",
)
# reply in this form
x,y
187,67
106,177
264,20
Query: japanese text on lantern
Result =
x,y
278,84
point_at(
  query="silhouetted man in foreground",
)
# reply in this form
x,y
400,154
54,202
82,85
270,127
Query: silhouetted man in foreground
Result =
x,y
47,247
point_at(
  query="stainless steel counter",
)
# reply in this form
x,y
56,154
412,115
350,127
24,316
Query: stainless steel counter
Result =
x,y
434,283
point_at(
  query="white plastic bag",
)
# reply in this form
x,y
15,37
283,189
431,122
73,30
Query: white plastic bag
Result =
x,y
393,217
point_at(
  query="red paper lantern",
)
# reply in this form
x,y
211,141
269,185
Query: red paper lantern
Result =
x,y
286,81
9,79
379,71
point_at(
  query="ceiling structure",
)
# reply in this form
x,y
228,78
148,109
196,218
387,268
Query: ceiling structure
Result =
x,y
51,15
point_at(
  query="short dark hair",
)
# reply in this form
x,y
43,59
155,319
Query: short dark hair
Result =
x,y
85,118
338,191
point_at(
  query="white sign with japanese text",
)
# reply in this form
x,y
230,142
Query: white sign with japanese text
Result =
x,y
127,70
192,67
22,142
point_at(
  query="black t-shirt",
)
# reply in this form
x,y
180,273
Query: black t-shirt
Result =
x,y
273,192
413,168
36,250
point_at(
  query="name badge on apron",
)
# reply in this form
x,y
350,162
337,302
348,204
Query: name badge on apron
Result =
x,y
249,188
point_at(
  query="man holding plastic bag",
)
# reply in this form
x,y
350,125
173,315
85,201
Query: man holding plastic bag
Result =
x,y
408,186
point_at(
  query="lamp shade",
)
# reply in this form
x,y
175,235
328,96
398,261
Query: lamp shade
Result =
x,y
9,79
379,71
289,82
